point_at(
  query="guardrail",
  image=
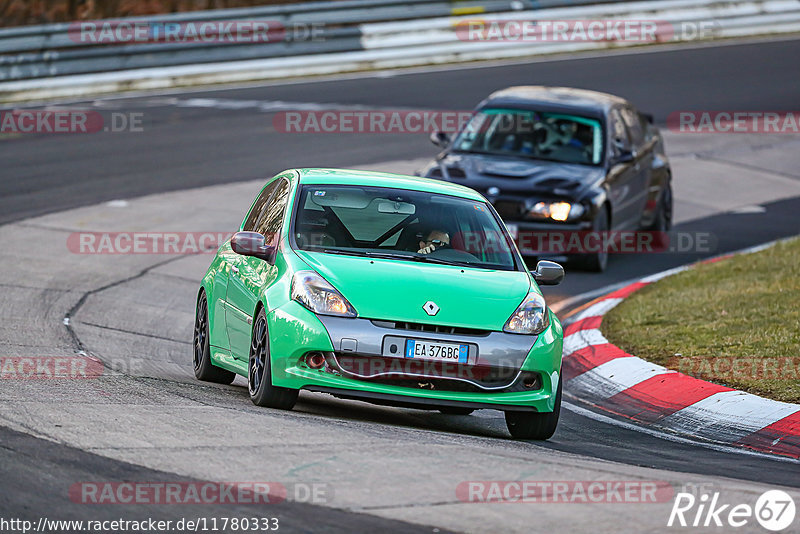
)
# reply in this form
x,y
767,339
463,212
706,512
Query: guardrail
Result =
x,y
350,35
56,50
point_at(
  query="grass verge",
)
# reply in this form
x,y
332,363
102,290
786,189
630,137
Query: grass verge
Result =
x,y
735,322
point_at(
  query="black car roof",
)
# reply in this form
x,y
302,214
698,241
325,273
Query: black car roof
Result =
x,y
554,99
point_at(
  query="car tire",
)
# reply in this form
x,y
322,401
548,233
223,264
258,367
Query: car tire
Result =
x,y
596,262
663,218
203,368
455,410
259,375
538,426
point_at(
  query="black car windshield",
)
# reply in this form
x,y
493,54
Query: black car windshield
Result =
x,y
532,134
402,225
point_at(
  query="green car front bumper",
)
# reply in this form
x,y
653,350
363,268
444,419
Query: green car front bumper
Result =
x,y
506,360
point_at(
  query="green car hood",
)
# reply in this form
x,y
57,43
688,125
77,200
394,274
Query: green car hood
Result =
x,y
395,290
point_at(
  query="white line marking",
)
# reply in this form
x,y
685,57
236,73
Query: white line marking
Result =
x,y
734,414
582,339
598,308
671,437
615,376
589,295
663,274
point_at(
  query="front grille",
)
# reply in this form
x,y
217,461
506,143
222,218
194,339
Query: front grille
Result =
x,y
423,374
431,328
456,172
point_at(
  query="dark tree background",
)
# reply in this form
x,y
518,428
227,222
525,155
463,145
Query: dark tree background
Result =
x,y
24,12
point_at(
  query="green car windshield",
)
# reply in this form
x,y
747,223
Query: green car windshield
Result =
x,y
532,134
401,224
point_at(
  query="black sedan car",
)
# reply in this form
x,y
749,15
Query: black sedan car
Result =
x,y
556,160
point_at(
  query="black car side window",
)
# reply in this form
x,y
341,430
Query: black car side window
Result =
x,y
271,220
634,124
619,134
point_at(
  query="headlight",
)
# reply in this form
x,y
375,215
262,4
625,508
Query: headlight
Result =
x,y
531,316
316,294
558,211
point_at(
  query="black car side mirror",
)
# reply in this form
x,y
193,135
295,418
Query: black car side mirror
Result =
x,y
548,273
624,156
440,139
253,244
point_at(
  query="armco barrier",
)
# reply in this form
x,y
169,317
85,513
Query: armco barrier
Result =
x,y
351,35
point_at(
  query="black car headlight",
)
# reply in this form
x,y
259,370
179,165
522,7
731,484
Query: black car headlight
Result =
x,y
557,211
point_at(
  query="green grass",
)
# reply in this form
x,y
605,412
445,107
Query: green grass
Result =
x,y
735,322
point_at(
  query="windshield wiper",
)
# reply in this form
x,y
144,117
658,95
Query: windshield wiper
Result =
x,y
390,256
343,252
420,258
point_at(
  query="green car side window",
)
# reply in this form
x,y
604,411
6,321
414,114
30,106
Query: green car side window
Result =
x,y
258,206
271,220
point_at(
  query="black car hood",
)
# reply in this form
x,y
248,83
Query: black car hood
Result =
x,y
518,175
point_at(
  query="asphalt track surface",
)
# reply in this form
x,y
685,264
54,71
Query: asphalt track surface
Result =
x,y
38,475
192,147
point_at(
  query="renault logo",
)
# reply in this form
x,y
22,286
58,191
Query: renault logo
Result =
x,y
430,308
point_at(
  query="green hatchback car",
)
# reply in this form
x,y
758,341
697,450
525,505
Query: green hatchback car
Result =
x,y
384,288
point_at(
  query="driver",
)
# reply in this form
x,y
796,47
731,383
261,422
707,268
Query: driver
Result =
x,y
436,239
559,133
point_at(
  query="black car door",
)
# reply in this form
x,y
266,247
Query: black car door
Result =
x,y
624,175
643,150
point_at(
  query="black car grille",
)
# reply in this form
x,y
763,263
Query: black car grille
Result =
x,y
431,328
456,172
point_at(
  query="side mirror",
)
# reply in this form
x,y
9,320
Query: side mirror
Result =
x,y
440,139
624,156
548,273
253,244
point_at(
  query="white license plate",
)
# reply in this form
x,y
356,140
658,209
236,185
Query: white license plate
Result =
x,y
434,350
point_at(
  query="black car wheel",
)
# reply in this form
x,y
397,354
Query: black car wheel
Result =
x,y
539,426
259,377
663,219
203,368
596,261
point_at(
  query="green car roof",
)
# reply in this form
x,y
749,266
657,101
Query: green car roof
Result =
x,y
385,179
